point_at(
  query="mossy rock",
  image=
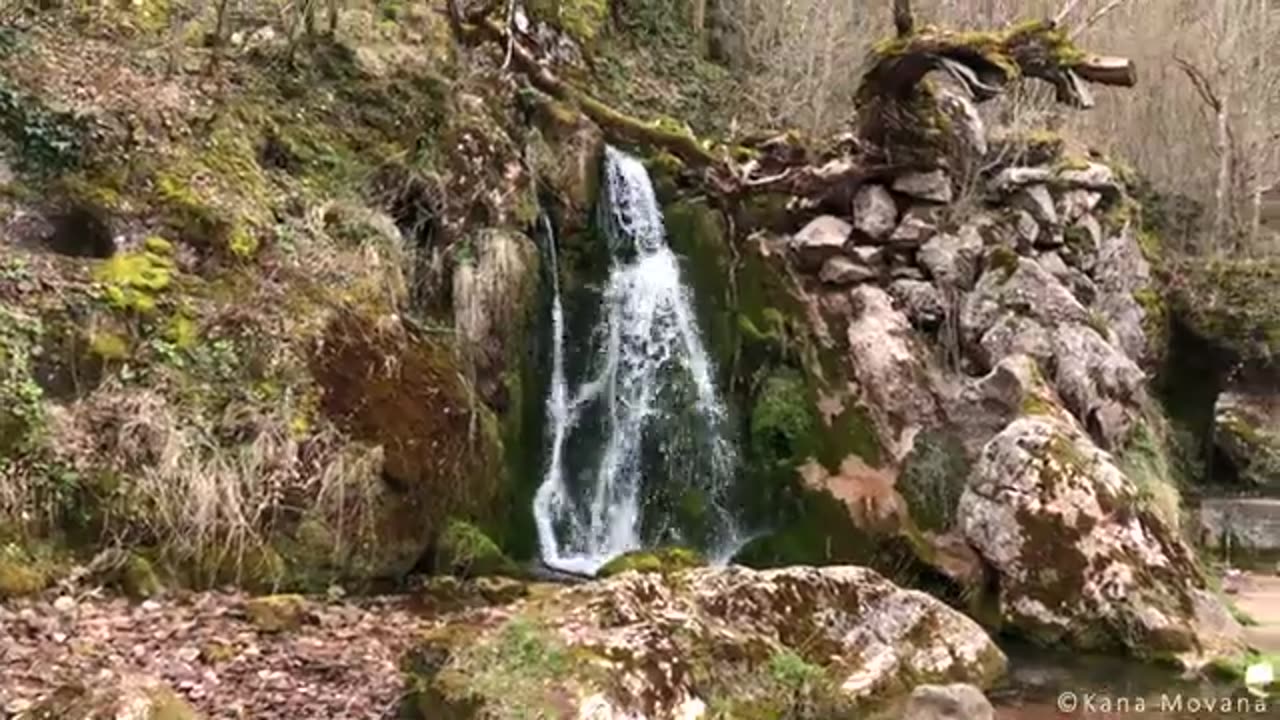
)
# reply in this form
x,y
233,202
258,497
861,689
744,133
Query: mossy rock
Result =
x,y
932,479
134,697
18,575
256,568
698,233
405,393
1232,304
660,560
466,551
276,613
138,578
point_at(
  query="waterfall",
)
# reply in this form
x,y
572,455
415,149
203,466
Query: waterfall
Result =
x,y
652,462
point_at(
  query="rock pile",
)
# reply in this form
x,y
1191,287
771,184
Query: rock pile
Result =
x,y
1043,286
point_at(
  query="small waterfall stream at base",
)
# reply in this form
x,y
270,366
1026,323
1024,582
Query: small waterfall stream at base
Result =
x,y
651,461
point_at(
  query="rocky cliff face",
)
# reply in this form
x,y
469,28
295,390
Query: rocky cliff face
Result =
x,y
1023,332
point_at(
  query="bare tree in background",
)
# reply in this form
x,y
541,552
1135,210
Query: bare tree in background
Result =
x,y
799,61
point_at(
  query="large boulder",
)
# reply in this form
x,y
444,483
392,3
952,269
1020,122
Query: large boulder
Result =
x,y
835,639
1082,560
1247,432
128,697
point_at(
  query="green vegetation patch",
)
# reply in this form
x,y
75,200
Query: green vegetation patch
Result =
x,y
520,671
783,422
21,398
583,20
48,141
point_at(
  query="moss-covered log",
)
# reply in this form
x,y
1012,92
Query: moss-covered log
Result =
x,y
986,62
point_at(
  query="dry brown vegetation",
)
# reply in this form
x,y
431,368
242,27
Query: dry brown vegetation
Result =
x,y
1204,121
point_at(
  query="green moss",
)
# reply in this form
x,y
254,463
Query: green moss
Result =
x,y
932,479
187,213
697,232
109,345
1150,245
1233,669
1099,323
1072,162
463,549
254,567
521,670
659,560
584,20
1145,461
133,281
1003,259
182,332
1232,304
783,423
158,245
1155,318
241,243
1034,403
168,705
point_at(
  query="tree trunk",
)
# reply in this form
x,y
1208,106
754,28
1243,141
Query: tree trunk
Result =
x,y
1221,211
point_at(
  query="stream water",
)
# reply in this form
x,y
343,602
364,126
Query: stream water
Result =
x,y
638,453
1051,685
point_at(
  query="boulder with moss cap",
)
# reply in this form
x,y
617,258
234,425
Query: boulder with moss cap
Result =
x,y
673,645
1082,559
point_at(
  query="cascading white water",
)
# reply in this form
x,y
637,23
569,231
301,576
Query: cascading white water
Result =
x,y
648,407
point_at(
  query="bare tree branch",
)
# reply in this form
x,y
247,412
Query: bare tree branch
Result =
x,y
1065,11
1094,18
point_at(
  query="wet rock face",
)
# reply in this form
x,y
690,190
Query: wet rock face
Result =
x,y
1080,560
671,646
